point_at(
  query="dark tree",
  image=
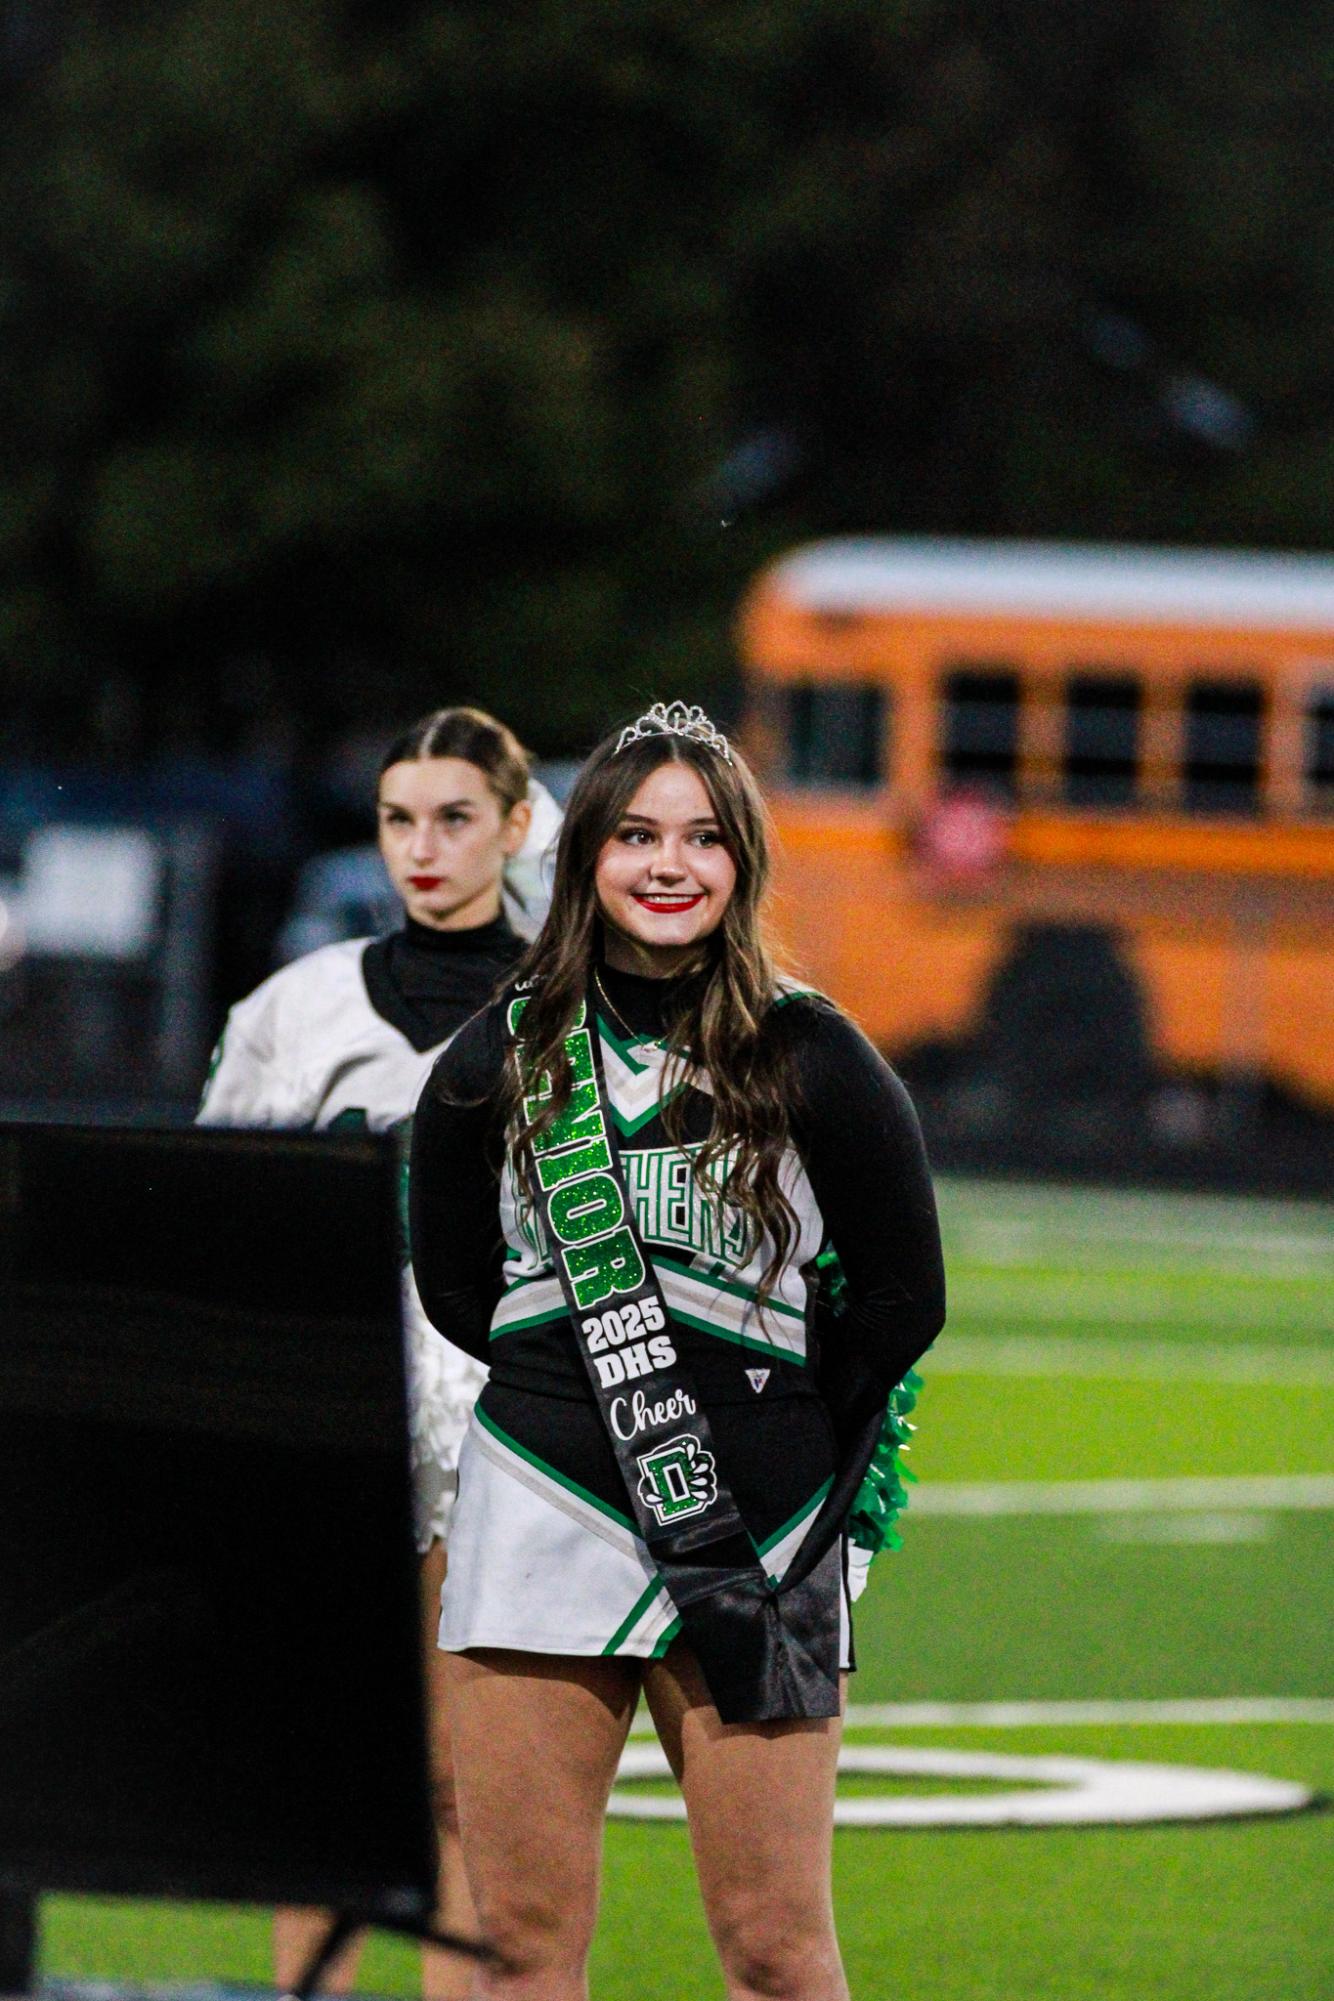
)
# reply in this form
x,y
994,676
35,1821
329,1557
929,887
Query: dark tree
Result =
x,y
358,357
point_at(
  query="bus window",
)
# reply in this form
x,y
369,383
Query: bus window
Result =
x,y
1320,750
1222,747
1101,739
982,728
836,733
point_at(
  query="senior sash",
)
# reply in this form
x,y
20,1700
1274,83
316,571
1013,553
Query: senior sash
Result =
x,y
767,1652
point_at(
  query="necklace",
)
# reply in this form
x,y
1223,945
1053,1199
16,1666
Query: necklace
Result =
x,y
632,1033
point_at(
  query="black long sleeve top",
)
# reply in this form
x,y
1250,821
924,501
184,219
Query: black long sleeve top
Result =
x,y
428,982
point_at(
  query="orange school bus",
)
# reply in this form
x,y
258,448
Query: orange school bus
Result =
x,y
963,741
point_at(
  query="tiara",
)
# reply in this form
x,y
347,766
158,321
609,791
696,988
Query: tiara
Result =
x,y
675,719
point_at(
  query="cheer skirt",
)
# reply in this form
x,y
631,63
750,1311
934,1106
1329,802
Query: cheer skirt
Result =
x,y
443,1384
544,1556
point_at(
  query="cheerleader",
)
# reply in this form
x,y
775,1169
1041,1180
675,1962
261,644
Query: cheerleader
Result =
x,y
627,1176
344,1038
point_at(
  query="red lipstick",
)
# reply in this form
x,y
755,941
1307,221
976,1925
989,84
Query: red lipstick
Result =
x,y
426,881
667,906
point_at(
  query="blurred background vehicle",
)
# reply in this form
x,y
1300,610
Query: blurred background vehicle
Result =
x,y
1058,825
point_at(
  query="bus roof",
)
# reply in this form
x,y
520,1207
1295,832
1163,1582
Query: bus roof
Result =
x,y
1223,587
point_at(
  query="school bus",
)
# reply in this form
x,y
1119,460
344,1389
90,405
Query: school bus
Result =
x,y
962,740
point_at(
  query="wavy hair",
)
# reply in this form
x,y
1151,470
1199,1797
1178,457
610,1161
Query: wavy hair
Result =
x,y
720,1028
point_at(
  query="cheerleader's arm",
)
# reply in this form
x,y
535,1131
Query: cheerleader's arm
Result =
x,y
862,1147
454,1189
867,1165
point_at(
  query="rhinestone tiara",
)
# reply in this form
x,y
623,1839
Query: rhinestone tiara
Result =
x,y
675,719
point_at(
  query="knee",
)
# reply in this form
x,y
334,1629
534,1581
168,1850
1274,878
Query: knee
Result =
x,y
773,1952
534,1935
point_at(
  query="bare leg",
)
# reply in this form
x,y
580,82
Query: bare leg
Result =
x,y
537,1738
445,1976
760,1797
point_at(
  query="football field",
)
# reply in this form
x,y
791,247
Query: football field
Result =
x,y
1120,1555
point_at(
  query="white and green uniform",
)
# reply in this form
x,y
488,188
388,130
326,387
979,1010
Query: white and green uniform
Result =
x,y
345,1038
544,1553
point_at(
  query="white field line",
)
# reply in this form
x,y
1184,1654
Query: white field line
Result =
x,y
1241,1253
974,1295
1199,1526
1249,1492
1239,1709
1047,1791
1130,1361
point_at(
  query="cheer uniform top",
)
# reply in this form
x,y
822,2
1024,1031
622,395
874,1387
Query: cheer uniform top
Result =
x,y
544,1554
343,1039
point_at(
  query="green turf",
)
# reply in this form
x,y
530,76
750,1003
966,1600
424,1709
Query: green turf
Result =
x,y
1046,1609
979,1427
1033,1607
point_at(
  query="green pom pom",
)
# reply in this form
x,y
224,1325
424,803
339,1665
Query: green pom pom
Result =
x,y
883,1494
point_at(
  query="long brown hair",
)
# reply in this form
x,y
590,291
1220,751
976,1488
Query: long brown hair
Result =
x,y
721,1026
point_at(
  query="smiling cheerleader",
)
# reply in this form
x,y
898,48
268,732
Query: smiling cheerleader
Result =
x,y
625,1175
